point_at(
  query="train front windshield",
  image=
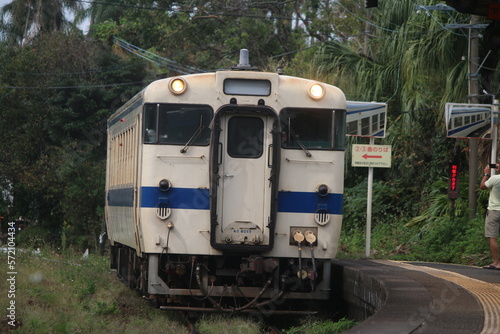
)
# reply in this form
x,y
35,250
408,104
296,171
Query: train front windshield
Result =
x,y
177,124
312,128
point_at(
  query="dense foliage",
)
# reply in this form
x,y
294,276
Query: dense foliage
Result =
x,y
56,96
58,86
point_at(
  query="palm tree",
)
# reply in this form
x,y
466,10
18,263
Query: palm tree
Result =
x,y
411,60
23,20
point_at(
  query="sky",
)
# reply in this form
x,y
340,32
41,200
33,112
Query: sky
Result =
x,y
4,2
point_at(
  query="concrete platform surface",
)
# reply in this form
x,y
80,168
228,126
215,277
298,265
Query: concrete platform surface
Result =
x,y
416,297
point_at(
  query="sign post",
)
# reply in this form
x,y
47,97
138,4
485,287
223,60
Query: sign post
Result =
x,y
369,207
370,156
368,119
494,134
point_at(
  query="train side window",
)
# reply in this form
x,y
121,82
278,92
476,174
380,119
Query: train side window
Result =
x,y
309,128
339,129
150,123
352,128
365,126
375,125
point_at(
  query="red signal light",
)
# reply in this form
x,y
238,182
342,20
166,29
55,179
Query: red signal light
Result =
x,y
453,182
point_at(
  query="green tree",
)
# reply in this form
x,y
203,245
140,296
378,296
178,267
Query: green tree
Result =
x,y
411,60
209,35
56,95
24,20
415,65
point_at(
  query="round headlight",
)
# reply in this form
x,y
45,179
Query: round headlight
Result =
x,y
316,91
177,86
164,185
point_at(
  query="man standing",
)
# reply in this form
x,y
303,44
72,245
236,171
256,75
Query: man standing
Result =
x,y
492,221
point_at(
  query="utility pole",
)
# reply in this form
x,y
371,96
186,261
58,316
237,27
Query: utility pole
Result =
x,y
473,93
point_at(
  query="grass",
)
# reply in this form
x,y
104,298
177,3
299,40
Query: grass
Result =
x,y
312,326
225,324
65,294
62,293
447,241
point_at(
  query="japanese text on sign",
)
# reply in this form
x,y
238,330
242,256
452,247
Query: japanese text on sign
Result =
x,y
371,156
372,148
454,173
453,182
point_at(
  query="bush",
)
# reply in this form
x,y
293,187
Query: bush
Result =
x,y
35,236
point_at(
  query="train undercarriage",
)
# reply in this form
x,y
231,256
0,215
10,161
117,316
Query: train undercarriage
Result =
x,y
235,283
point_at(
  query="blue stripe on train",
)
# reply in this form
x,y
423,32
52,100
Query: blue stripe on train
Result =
x,y
307,202
198,199
175,198
451,132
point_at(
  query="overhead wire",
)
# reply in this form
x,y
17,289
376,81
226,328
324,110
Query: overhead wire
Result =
x,y
161,61
75,87
396,30
179,67
104,70
362,19
189,11
428,13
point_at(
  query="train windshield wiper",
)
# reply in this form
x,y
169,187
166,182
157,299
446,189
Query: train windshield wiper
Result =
x,y
302,146
194,136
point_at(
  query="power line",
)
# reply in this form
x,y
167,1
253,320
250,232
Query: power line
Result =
x,y
76,87
113,69
387,29
190,11
158,60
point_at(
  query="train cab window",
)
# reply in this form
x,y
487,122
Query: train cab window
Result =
x,y
177,124
309,128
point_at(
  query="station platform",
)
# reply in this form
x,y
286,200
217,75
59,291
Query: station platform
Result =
x,y
415,297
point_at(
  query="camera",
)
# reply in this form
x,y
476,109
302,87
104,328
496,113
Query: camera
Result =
x,y
493,165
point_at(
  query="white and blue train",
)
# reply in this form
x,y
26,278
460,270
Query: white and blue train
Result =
x,y
224,190
366,119
468,120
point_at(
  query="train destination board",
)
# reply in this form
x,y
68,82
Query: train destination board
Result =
x,y
371,155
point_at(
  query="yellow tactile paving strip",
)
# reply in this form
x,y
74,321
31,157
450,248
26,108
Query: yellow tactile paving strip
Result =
x,y
488,294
